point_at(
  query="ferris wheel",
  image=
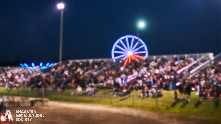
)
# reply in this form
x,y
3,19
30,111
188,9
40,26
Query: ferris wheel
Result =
x,y
128,48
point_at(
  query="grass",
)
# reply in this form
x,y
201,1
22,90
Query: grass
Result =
x,y
104,97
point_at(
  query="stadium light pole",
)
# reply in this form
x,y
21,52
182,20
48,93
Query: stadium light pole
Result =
x,y
140,26
61,6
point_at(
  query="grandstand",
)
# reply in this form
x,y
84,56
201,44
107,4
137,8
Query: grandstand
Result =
x,y
162,71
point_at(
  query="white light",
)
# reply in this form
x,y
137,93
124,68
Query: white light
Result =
x,y
141,24
129,53
2,118
60,6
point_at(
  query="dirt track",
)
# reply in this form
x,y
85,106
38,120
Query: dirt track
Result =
x,y
70,113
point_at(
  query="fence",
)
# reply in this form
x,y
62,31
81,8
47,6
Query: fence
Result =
x,y
105,96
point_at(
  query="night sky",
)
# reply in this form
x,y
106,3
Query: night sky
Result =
x,y
29,29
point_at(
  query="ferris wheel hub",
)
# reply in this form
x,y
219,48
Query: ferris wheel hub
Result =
x,y
129,53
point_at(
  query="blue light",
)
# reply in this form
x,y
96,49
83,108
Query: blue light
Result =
x,y
47,64
43,67
33,64
51,64
22,65
26,65
41,64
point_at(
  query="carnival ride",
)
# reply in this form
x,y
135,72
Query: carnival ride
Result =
x,y
128,48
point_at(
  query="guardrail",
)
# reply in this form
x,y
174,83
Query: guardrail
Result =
x,y
217,58
204,65
188,66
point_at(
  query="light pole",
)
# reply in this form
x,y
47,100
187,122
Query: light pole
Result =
x,y
61,6
140,25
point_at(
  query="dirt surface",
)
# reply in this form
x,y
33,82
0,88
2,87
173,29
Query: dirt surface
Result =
x,y
72,113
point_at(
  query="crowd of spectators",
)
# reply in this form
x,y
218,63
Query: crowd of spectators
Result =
x,y
19,77
151,76
208,83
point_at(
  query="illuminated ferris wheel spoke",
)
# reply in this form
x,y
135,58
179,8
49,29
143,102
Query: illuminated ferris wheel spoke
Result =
x,y
119,52
125,63
141,57
135,46
128,46
130,58
123,44
124,57
137,60
120,48
132,41
139,48
118,57
140,52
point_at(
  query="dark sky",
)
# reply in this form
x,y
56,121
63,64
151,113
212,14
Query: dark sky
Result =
x,y
29,29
